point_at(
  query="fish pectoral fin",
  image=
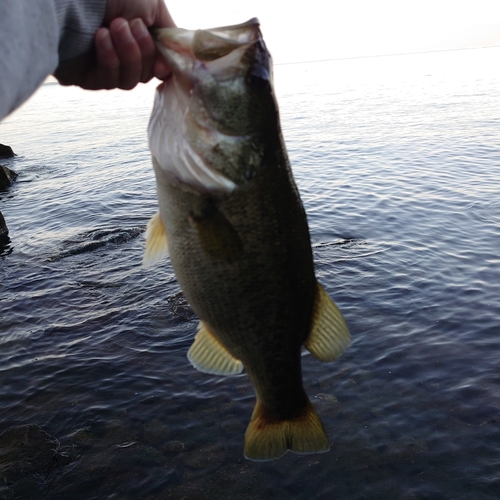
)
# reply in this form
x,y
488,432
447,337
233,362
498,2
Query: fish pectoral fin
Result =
x,y
217,236
329,335
208,355
156,241
267,438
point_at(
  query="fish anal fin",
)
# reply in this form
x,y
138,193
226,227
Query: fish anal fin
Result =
x,y
208,355
268,438
156,241
329,335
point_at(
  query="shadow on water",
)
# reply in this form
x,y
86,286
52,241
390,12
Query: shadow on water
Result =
x,y
90,241
180,307
349,248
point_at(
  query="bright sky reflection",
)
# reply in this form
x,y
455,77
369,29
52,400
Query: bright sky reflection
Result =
x,y
326,29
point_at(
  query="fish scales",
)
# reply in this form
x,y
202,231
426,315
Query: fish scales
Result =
x,y
237,231
260,300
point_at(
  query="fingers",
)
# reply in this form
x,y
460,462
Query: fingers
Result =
x,y
125,55
152,12
107,72
146,46
128,52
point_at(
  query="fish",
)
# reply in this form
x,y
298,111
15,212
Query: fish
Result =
x,y
232,221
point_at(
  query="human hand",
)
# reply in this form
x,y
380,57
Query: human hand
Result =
x,y
125,52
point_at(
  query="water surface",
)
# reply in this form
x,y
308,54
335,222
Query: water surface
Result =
x,y
398,163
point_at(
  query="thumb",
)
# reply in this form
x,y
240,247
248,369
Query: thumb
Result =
x,y
163,18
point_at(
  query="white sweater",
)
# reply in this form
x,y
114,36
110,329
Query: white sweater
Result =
x,y
35,36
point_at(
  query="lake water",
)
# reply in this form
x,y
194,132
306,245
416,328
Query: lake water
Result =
x,y
398,163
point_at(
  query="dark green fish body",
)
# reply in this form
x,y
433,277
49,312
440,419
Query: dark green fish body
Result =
x,y
266,262
237,232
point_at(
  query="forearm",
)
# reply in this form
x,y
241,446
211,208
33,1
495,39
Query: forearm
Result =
x,y
35,35
78,20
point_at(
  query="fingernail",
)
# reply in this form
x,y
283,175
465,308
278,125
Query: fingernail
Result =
x,y
103,37
121,33
118,24
138,29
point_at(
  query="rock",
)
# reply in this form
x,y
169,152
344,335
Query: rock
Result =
x,y
108,470
4,232
156,433
7,177
6,151
26,451
173,446
137,454
82,437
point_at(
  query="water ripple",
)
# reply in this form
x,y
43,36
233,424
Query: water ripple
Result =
x,y
398,171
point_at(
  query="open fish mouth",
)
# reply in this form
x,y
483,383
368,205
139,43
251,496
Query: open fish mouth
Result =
x,y
204,122
220,52
206,45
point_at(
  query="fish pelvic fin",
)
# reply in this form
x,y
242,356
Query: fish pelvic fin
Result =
x,y
156,241
268,438
329,336
208,355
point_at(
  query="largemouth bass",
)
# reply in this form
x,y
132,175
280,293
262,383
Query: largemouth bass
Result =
x,y
236,231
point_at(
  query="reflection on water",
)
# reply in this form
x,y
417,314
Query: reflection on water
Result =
x,y
397,162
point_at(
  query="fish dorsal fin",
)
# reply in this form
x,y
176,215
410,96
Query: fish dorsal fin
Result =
x,y
208,355
156,241
329,336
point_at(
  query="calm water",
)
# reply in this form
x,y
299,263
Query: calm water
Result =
x,y
398,163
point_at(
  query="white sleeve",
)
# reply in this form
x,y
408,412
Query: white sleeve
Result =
x,y
35,35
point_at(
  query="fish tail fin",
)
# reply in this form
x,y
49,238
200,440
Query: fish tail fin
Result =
x,y
268,438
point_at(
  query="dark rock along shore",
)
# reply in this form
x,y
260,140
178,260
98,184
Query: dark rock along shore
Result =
x,y
6,151
28,455
7,177
4,232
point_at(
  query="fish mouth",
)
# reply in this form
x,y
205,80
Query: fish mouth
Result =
x,y
216,48
203,128
208,44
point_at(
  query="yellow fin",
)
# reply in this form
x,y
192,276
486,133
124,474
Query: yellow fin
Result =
x,y
208,355
329,336
267,438
156,241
